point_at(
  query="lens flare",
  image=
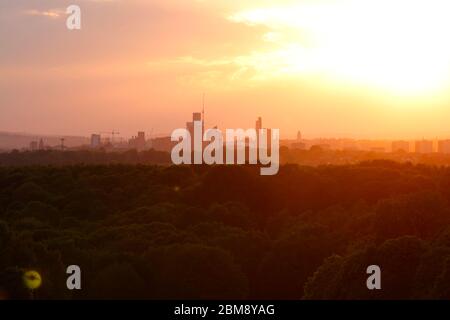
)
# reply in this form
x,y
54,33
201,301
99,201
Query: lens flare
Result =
x,y
32,279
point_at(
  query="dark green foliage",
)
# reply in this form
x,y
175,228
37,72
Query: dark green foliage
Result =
x,y
225,232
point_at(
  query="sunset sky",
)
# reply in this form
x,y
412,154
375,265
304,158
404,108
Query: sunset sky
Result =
x,y
345,68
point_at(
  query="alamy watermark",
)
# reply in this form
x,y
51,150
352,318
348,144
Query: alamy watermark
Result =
x,y
73,21
211,147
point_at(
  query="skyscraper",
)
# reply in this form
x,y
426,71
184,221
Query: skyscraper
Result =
x,y
190,128
33,145
140,140
258,125
41,144
95,140
197,116
424,146
444,146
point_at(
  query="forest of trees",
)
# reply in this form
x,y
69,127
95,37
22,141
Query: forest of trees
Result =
x,y
225,232
61,158
314,156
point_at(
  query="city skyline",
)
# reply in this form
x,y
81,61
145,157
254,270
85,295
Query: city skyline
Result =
x,y
112,140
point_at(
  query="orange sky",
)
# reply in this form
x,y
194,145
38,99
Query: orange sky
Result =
x,y
353,68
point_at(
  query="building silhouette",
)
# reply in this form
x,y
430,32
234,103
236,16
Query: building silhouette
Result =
x,y
95,141
33,145
424,146
138,142
258,125
444,146
41,144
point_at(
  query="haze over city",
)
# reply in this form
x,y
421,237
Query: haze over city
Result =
x,y
302,65
223,158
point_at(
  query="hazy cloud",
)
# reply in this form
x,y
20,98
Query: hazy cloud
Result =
x,y
52,13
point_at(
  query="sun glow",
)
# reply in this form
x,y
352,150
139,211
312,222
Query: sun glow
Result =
x,y
395,45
